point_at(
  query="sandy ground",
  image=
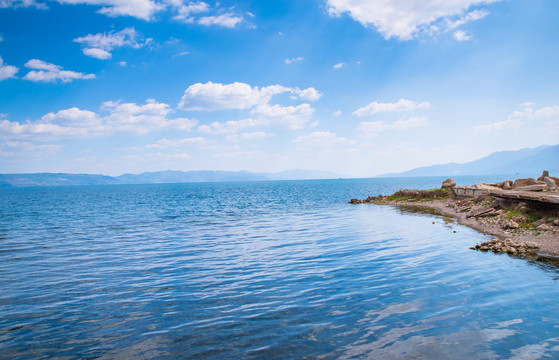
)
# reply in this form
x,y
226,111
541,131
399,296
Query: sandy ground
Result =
x,y
548,241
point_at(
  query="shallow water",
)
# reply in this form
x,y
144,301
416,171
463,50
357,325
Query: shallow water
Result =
x,y
259,270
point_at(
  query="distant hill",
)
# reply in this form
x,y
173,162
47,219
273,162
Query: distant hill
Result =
x,y
159,177
54,179
524,161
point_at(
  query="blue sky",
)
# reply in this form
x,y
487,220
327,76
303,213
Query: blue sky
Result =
x,y
357,87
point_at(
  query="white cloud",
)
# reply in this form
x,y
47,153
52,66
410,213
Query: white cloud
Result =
x,y
97,53
547,112
322,138
461,35
146,9
166,143
22,148
514,121
403,105
122,117
214,96
337,113
256,135
7,71
237,96
228,20
404,19
500,126
527,104
339,65
471,16
228,127
294,117
374,127
48,72
308,94
100,45
186,10
1,38
293,60
141,9
21,3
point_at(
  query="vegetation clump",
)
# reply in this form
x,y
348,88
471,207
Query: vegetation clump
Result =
x,y
419,195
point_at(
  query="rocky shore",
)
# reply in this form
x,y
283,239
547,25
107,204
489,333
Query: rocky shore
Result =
x,y
520,228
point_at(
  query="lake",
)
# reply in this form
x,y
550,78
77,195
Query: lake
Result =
x,y
275,270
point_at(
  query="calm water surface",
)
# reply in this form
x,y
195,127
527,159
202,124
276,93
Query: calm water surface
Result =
x,y
275,270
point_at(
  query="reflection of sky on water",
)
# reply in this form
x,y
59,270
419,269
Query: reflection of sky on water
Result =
x,y
234,281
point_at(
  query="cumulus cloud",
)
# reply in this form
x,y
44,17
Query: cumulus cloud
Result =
x,y
121,117
256,135
237,96
146,9
404,19
186,10
47,72
21,3
308,94
293,60
7,71
228,20
141,9
322,138
374,127
403,105
462,36
97,53
293,117
100,45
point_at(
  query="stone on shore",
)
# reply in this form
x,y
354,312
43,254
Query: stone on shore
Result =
x,y
523,182
507,247
448,184
544,227
549,182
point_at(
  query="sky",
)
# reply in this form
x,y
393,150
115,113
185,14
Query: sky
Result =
x,y
355,87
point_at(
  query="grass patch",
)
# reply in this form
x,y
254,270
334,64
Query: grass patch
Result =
x,y
419,195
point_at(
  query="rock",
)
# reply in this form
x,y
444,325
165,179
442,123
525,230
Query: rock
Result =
x,y
523,182
448,183
355,201
530,244
535,187
549,182
511,225
544,227
544,174
522,206
507,185
556,222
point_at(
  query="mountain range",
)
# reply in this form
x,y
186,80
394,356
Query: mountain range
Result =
x,y
159,177
525,161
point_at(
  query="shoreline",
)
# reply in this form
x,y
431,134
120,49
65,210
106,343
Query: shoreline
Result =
x,y
480,215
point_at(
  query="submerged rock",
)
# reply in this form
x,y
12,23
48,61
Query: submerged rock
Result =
x,y
506,247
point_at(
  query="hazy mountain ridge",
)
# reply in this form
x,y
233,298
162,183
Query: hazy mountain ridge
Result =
x,y
158,177
524,161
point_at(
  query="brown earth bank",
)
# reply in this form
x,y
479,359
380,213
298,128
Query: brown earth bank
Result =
x,y
518,230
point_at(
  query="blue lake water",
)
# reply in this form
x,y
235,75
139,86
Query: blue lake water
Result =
x,y
275,270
